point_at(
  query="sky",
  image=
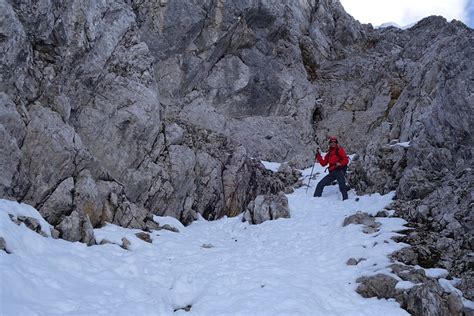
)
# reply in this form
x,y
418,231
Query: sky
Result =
x,y
405,12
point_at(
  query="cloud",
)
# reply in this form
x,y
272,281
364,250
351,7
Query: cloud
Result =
x,y
404,12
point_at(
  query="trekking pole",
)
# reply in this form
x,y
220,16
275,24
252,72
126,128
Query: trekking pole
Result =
x,y
311,175
309,181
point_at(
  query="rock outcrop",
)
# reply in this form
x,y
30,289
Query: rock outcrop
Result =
x,y
422,147
81,131
266,207
3,245
237,68
423,296
369,224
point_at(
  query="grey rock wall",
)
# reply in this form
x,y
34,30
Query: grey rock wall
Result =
x,y
235,67
433,111
80,95
83,139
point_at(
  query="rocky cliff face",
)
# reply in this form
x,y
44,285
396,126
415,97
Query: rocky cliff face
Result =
x,y
82,136
429,106
111,110
234,67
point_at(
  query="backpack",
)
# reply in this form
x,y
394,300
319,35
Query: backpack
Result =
x,y
344,169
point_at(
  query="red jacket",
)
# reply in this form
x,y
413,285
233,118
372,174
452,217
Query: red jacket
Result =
x,y
335,155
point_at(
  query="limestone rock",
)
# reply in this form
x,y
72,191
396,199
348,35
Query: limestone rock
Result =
x,y
125,244
359,218
59,202
289,176
267,207
466,285
104,242
14,219
354,261
425,299
48,157
152,225
213,87
409,273
414,149
174,134
370,225
380,286
170,228
144,236
382,213
351,262
76,227
30,222
130,215
3,244
12,130
55,233
455,304
86,197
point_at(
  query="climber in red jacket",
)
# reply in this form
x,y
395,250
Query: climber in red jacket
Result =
x,y
337,160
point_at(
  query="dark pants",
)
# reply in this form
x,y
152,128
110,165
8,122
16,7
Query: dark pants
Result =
x,y
338,175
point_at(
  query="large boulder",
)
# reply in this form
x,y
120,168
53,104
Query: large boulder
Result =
x,y
77,227
380,286
267,207
428,299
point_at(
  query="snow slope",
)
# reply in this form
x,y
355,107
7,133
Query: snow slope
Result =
x,y
293,266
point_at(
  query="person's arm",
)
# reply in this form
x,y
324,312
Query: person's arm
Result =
x,y
344,159
321,160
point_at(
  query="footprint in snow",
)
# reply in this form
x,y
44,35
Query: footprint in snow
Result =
x,y
184,291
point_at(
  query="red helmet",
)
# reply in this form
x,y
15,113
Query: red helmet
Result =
x,y
333,139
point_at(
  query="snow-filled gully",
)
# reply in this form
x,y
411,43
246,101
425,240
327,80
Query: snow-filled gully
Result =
x,y
294,266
